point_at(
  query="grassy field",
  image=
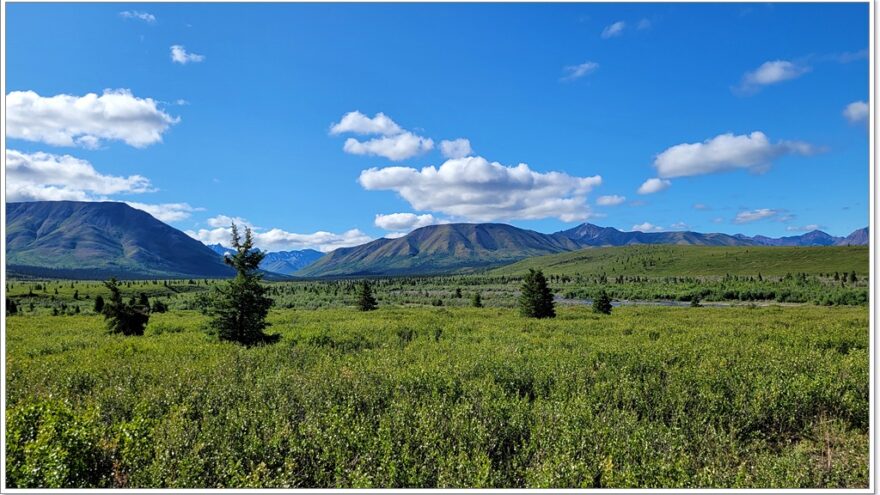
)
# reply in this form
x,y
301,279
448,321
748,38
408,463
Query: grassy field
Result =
x,y
683,261
425,397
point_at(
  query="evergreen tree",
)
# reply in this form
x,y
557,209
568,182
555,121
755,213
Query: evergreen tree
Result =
x,y
477,301
158,306
99,304
11,307
127,319
536,300
366,301
602,303
238,308
144,301
852,277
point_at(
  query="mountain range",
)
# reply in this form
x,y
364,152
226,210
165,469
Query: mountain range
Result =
x,y
283,262
70,239
467,247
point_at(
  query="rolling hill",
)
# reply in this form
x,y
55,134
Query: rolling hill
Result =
x,y
73,239
663,260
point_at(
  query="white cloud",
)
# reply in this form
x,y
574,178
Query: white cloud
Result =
x,y
395,148
45,177
725,152
474,188
281,240
405,221
573,72
65,120
702,207
772,72
179,55
856,112
644,24
653,185
646,227
804,228
680,226
394,142
226,221
612,200
755,215
457,148
359,123
141,16
613,30
166,212
395,235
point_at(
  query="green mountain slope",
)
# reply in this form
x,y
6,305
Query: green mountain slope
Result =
x,y
73,239
662,260
439,249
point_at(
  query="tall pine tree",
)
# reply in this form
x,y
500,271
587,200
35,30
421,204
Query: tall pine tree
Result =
x,y
238,309
127,319
536,300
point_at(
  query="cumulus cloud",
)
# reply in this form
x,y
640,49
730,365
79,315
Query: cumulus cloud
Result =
x,y
394,235
166,212
725,152
803,228
281,240
395,148
612,200
474,188
457,148
646,227
45,177
226,221
613,30
653,185
394,142
65,120
405,221
856,112
179,55
359,123
680,226
772,72
140,16
755,215
573,72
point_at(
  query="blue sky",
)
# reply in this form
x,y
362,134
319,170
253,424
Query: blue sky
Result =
x,y
750,118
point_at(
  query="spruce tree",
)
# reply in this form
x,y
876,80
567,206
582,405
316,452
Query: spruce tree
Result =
x,y
11,307
536,300
238,308
127,319
602,303
99,304
366,301
477,301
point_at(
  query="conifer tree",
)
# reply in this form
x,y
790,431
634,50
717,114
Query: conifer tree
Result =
x,y
127,319
602,303
99,304
536,300
238,308
477,301
366,301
